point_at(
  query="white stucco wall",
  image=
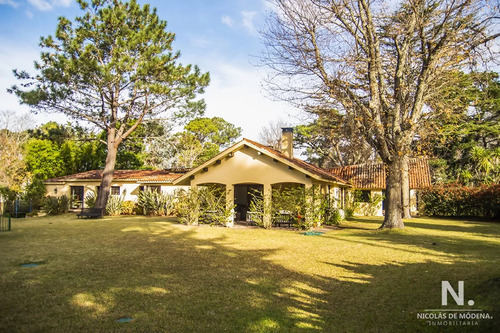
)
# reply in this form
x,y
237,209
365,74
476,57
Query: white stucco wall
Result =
x,y
130,190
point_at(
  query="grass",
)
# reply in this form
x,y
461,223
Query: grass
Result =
x,y
174,278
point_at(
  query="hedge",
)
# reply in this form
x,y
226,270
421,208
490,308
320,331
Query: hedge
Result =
x,y
462,201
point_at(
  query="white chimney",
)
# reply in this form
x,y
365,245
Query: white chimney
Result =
x,y
287,141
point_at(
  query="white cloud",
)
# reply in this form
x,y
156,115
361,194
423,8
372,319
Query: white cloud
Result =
x,y
45,5
62,3
227,20
29,13
11,3
41,4
248,20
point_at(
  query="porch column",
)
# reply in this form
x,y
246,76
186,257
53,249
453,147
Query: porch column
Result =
x,y
194,187
230,204
268,195
312,194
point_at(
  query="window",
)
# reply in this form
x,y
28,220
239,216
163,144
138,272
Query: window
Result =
x,y
156,189
115,190
362,196
150,188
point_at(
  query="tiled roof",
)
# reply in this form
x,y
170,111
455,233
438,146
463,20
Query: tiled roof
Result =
x,y
372,176
130,175
301,164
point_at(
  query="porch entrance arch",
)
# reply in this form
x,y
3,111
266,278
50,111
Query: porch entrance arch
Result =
x,y
243,195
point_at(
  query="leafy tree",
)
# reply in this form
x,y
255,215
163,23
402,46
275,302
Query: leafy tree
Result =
x,y
202,139
465,135
109,66
379,63
43,159
214,130
332,141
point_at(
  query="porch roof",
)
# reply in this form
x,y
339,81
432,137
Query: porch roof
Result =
x,y
302,166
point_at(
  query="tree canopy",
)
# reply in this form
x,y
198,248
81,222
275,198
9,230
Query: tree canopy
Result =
x,y
378,63
112,67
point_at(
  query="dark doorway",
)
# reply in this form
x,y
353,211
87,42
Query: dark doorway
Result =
x,y
77,197
243,198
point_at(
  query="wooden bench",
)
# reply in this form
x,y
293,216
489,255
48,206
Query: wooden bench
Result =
x,y
253,218
91,212
283,218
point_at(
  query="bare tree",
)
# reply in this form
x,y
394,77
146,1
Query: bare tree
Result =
x,y
270,135
12,137
377,61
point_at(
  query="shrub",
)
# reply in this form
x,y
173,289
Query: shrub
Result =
x,y
90,199
114,205
349,212
129,207
64,203
153,203
462,201
56,205
206,204
35,193
51,205
213,208
187,206
257,206
333,217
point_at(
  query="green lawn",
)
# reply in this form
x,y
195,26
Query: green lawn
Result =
x,y
174,278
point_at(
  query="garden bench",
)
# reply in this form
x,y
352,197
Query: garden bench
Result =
x,y
209,216
91,212
253,218
283,219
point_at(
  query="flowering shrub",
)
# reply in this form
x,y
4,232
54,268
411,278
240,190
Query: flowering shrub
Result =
x,y
463,201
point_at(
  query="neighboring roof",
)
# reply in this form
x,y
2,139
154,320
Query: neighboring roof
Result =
x,y
306,168
372,176
157,176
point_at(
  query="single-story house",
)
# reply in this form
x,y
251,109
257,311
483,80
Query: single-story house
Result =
x,y
241,169
126,183
369,180
250,166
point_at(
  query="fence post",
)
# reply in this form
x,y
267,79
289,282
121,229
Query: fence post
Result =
x,y
9,222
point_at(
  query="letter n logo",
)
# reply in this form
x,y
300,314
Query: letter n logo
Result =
x,y
447,288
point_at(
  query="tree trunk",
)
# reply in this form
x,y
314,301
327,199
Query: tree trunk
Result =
x,y
107,174
393,193
405,183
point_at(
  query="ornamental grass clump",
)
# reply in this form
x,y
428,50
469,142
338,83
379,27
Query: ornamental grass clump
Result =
x,y
114,205
56,205
155,203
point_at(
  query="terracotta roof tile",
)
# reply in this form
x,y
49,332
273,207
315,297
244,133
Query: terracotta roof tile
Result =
x,y
372,176
132,175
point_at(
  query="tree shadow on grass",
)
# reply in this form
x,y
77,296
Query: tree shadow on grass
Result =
x,y
486,228
176,279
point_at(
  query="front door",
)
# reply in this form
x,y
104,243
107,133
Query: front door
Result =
x,y
77,197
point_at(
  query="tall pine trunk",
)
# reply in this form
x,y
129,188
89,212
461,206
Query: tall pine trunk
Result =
x,y
107,174
393,194
405,181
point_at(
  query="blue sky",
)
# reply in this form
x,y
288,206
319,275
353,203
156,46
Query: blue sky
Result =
x,y
220,36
